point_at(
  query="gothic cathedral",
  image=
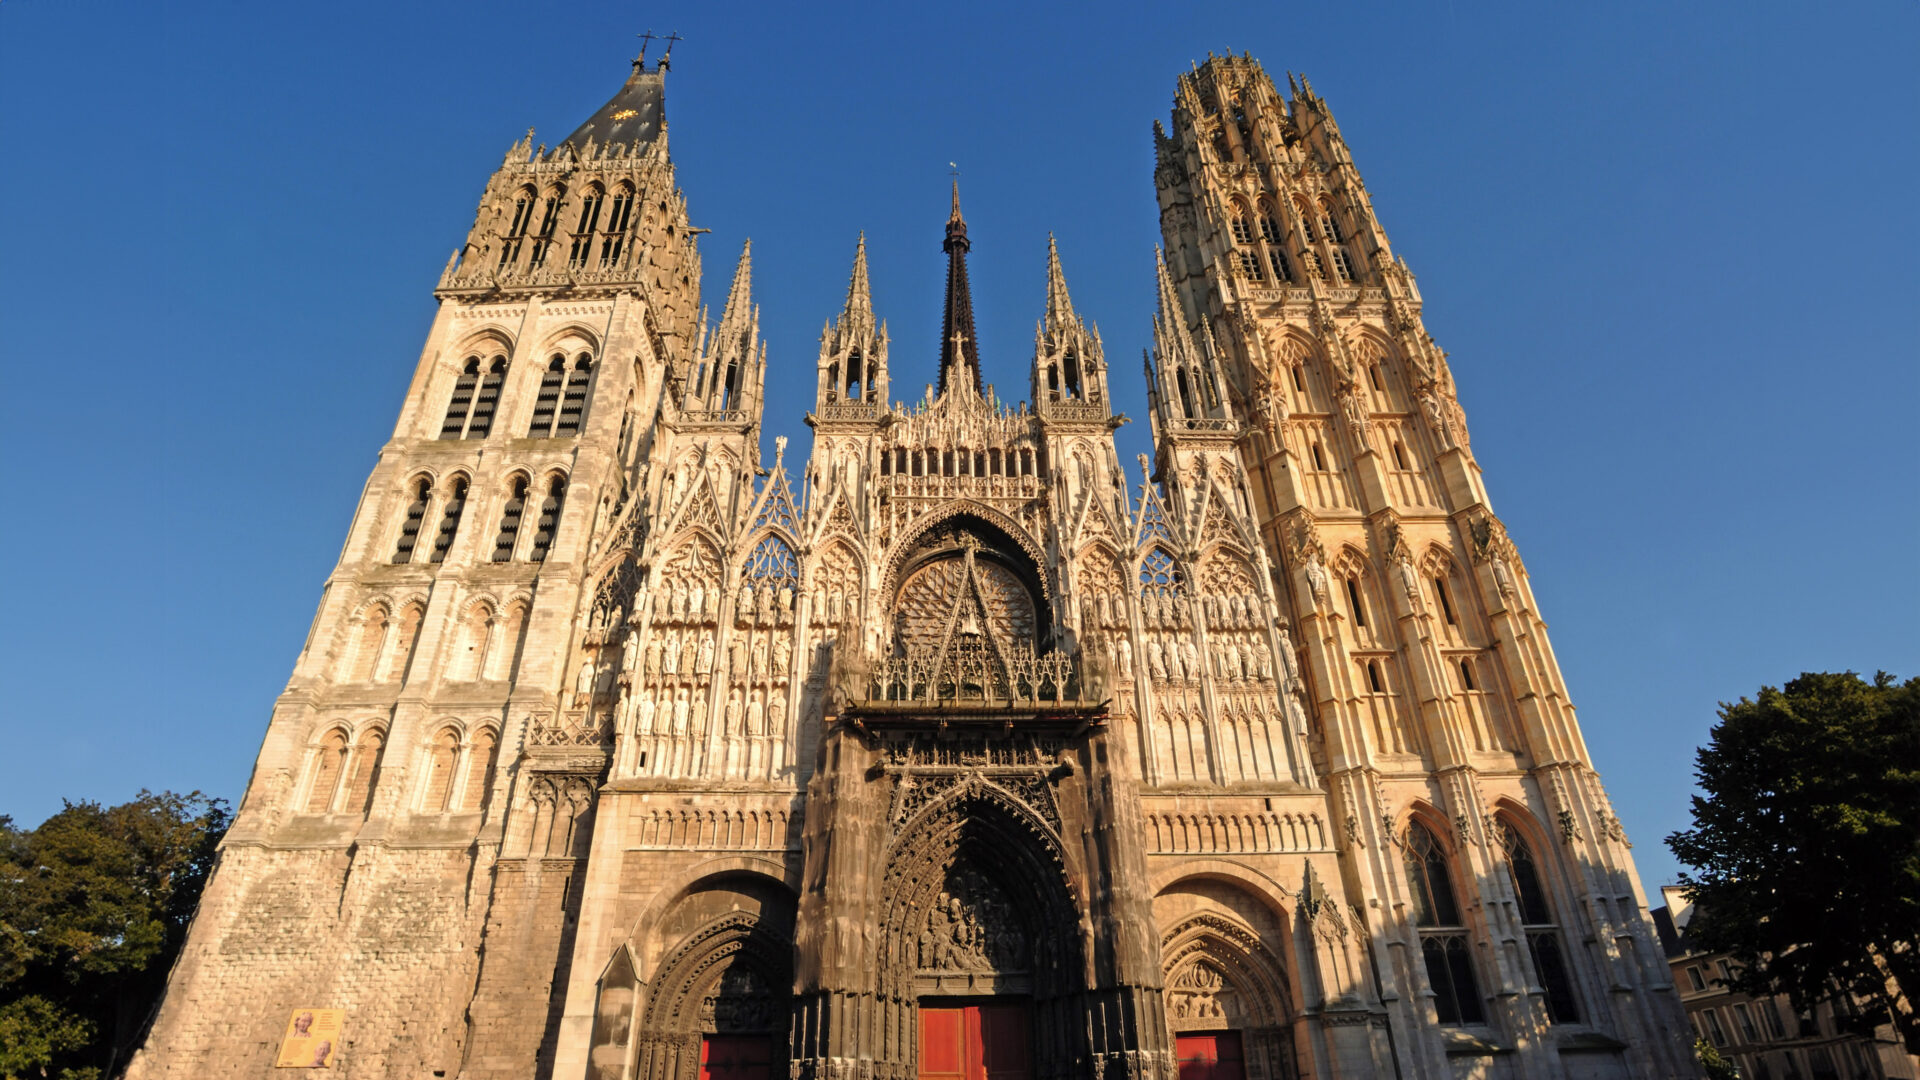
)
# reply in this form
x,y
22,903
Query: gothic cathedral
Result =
x,y
950,748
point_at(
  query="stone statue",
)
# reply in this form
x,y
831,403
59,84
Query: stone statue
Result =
x,y
1190,659
737,659
782,656
777,713
680,713
583,685
696,598
734,714
743,607
1409,582
630,653
1318,583
1124,652
756,716
689,654
672,649
704,666
1502,574
1156,659
645,710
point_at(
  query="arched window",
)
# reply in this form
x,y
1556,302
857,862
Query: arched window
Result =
x,y
618,219
1300,378
583,232
833,382
450,519
1242,225
1053,382
1186,392
1467,681
1329,227
1443,934
410,525
441,760
487,399
1543,934
327,762
1269,224
1374,682
1400,459
1070,366
480,763
400,643
1353,600
549,224
1160,576
510,520
547,402
461,404
1250,265
1343,264
370,640
504,648
573,404
549,520
855,376
366,771
1441,593
517,229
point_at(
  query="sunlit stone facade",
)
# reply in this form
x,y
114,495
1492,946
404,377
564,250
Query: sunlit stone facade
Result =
x,y
949,747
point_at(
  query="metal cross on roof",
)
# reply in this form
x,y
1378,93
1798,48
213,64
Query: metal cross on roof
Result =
x,y
646,40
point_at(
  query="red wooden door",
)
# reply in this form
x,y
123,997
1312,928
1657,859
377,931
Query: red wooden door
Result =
x,y
736,1057
1212,1056
975,1042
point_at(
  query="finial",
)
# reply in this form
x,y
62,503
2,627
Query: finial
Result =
x,y
779,449
666,58
955,216
646,39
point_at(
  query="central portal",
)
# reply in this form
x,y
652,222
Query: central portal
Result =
x,y
990,1040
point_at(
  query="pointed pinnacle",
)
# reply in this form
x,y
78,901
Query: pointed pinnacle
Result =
x,y
955,216
859,293
1059,304
738,296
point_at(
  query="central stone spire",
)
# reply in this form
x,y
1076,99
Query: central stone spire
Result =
x,y
959,353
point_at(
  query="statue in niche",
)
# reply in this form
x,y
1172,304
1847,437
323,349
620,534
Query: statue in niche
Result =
x,y
677,601
680,713
756,716
759,667
782,656
1190,659
696,596
583,685
735,715
603,678
644,726
786,604
630,652
704,666
653,656
698,720
777,714
737,659
1124,653
743,607
1156,659
1263,662
689,654
710,606
1502,574
1318,584
763,605
833,608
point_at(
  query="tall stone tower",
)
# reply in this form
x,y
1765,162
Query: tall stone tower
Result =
x,y
610,757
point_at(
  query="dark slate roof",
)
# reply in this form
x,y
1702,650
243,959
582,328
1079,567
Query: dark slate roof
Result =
x,y
636,112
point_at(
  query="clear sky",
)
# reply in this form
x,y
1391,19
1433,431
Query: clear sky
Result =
x,y
1669,247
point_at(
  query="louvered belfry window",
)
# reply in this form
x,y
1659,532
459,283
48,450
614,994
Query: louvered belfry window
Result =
x,y
410,527
461,404
487,399
548,399
549,521
450,520
510,521
573,404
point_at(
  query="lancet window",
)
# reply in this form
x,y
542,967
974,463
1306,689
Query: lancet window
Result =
x,y
364,771
510,520
618,218
328,762
549,223
1443,933
1543,933
590,207
475,395
517,228
548,523
450,519
410,525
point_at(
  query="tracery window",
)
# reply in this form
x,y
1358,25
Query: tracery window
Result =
x,y
772,562
1282,270
411,524
1242,227
450,520
583,232
1343,264
1250,265
517,229
1443,933
549,223
548,523
1269,225
1543,934
1160,575
618,219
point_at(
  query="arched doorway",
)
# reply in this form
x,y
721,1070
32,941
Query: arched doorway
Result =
x,y
981,949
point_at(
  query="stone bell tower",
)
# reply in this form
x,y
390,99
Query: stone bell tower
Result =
x,y
1500,901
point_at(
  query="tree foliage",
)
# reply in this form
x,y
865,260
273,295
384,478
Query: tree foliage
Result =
x,y
94,906
1807,843
1713,1063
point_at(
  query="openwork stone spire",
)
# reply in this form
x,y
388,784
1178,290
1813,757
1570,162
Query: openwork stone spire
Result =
x,y
959,353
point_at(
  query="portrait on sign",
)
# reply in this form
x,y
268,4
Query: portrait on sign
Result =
x,y
313,1036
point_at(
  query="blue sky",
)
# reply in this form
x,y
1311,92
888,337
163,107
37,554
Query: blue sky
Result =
x,y
1670,249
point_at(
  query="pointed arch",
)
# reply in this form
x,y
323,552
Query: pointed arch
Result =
x,y
371,628
443,757
1434,887
329,762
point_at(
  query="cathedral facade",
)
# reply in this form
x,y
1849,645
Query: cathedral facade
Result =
x,y
949,748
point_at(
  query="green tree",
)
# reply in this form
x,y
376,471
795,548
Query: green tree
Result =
x,y
94,906
1807,844
1713,1062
